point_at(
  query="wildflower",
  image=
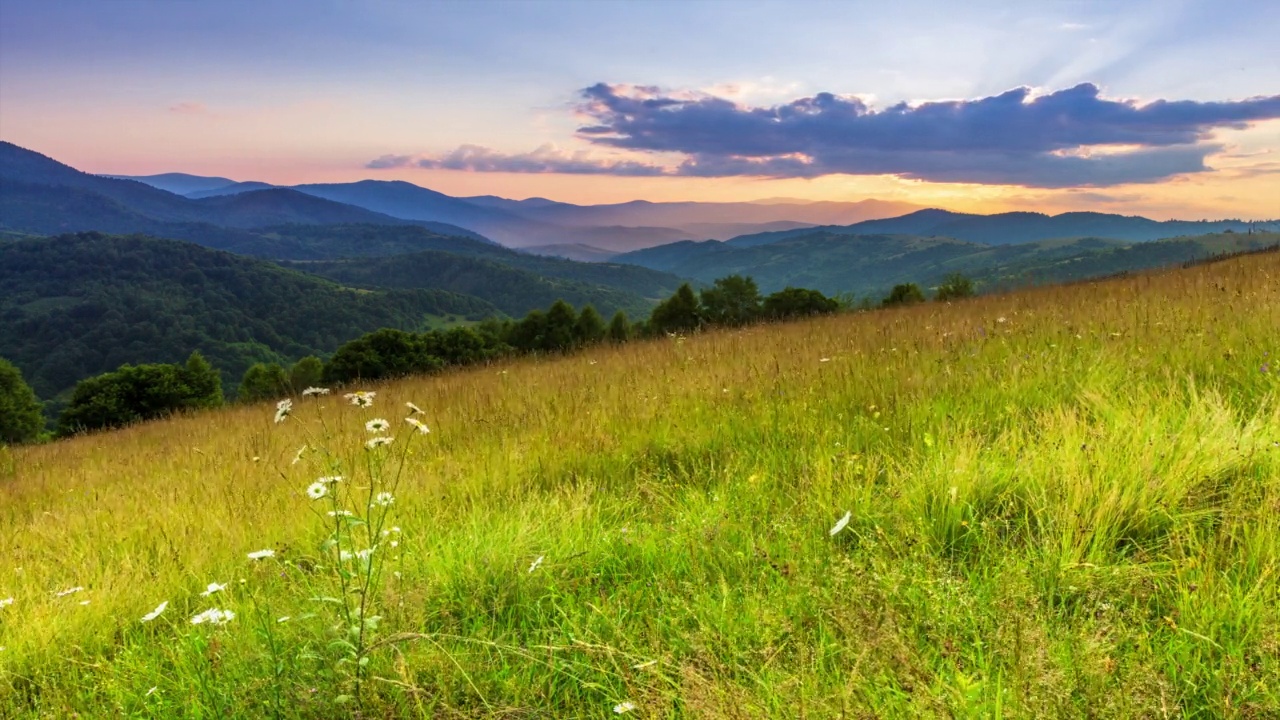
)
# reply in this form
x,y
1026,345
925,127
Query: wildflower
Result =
x,y
418,424
317,490
340,513
1002,320
345,556
361,398
260,554
329,479
84,602
315,391
6,602
283,408
213,588
377,442
69,591
285,618
413,409
625,706
384,499
152,691
155,613
822,360
841,523
377,425
214,616
364,554
534,565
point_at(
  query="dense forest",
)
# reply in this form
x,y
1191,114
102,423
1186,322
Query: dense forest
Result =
x,y
79,305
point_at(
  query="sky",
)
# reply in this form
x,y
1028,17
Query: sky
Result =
x,y
1166,109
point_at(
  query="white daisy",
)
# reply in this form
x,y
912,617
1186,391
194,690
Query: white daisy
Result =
x,y
840,524
283,408
261,554
534,565
214,616
361,398
5,602
317,490
340,513
329,479
384,499
213,588
418,425
377,425
377,442
155,613
315,391
413,409
69,591
625,706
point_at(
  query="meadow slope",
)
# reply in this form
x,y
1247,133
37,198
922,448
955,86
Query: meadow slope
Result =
x,y
1063,502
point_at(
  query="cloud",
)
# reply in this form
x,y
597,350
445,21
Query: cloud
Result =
x,y
190,108
546,159
1068,138
1071,137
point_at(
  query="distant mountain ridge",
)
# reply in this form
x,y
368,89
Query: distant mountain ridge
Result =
x,y
1014,227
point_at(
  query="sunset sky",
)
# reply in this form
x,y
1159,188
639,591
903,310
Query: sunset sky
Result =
x,y
1168,109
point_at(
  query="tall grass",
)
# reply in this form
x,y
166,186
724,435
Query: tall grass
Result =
x,y
1063,502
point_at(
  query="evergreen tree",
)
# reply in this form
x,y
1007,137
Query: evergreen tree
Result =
x,y
619,328
561,320
21,415
678,313
590,327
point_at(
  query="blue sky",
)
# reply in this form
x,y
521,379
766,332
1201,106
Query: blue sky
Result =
x,y
487,96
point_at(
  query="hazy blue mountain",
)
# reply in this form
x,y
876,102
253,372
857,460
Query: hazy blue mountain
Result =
x,y
230,189
573,251
179,183
44,196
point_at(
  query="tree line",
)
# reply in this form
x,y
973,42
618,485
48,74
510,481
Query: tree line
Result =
x,y
134,393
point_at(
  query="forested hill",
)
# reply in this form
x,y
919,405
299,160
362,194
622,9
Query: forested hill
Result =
x,y
78,305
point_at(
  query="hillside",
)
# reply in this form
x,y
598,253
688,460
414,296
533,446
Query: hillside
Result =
x,y
870,264
1047,504
79,305
1017,227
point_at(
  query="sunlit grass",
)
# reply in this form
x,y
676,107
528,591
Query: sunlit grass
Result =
x,y
1063,502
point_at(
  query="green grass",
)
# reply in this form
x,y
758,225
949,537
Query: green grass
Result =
x,y
1063,502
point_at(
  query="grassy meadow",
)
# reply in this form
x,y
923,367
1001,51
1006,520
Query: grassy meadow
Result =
x,y
1063,502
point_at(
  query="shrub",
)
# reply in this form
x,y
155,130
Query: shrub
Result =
x,y
619,328
798,302
134,393
732,300
307,372
381,354
589,329
904,294
679,313
954,287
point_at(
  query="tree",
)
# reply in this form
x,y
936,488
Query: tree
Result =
x,y
954,287
203,383
561,320
307,372
904,294
589,329
731,300
619,328
263,381
679,313
380,354
793,302
134,393
21,414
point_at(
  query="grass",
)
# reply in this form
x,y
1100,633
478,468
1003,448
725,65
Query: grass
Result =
x,y
1063,502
